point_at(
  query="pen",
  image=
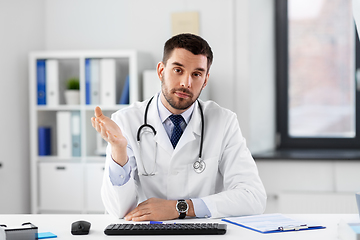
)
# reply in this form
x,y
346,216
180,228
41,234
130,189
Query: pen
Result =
x,y
155,222
295,228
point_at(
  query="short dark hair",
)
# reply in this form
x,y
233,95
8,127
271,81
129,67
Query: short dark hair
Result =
x,y
193,43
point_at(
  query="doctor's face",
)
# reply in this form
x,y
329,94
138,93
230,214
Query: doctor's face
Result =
x,y
182,79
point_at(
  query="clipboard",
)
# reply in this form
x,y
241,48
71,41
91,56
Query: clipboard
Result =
x,y
271,223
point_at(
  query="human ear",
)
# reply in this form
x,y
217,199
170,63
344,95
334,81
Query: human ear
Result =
x,y
206,81
160,70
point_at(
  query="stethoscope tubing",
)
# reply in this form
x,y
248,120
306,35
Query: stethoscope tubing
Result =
x,y
200,162
145,122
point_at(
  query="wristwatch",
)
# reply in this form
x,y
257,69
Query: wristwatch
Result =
x,y
182,207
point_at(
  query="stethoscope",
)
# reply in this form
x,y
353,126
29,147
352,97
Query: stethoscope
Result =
x,y
199,165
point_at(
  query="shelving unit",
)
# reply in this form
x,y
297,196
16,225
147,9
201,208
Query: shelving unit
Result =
x,y
72,184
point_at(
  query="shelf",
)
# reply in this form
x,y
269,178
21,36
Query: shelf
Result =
x,y
59,108
80,107
56,159
80,167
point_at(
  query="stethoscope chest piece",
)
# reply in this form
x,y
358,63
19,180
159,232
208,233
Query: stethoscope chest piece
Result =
x,y
199,166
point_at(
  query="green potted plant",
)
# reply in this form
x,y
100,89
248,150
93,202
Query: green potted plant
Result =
x,y
72,92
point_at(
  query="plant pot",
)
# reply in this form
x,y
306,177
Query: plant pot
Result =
x,y
72,97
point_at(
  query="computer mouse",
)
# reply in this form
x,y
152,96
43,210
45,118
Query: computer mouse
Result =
x,y
80,227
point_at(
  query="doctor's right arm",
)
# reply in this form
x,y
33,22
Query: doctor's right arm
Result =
x,y
118,194
118,198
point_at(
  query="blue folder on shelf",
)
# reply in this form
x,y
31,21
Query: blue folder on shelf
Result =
x,y
44,141
271,223
41,81
87,81
124,99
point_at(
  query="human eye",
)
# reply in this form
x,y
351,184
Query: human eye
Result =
x,y
177,70
197,74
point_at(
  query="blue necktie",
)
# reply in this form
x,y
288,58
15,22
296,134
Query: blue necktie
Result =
x,y
177,132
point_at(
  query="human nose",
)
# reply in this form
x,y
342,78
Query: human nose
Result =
x,y
186,81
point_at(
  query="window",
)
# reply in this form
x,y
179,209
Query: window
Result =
x,y
317,102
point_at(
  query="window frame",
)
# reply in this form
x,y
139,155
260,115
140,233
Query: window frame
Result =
x,y
284,141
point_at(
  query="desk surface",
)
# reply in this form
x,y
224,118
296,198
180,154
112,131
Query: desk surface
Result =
x,y
60,225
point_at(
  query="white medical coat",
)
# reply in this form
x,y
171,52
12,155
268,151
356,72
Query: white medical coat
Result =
x,y
229,185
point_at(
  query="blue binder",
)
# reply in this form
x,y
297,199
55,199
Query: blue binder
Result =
x,y
41,81
87,80
125,92
44,143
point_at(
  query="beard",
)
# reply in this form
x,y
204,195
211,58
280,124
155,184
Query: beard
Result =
x,y
174,101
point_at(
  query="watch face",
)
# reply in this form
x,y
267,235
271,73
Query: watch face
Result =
x,y
182,206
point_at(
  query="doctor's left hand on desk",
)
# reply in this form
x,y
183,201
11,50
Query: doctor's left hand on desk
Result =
x,y
111,133
157,209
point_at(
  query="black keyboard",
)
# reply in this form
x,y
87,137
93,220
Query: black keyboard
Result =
x,y
166,229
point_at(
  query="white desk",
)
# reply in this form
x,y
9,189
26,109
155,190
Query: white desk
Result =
x,y
61,225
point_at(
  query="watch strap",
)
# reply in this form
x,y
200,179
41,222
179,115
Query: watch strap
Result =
x,y
182,215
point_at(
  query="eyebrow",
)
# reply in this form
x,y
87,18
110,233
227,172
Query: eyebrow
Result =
x,y
182,65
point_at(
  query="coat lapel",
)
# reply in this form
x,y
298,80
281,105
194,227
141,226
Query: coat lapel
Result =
x,y
161,136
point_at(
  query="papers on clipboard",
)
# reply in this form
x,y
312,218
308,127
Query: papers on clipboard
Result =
x,y
271,223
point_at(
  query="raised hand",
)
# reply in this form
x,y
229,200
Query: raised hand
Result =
x,y
111,133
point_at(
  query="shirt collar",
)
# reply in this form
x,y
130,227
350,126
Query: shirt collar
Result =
x,y
164,113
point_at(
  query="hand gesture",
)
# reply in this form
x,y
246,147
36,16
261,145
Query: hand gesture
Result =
x,y
111,133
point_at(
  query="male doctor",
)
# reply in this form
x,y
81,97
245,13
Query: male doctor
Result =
x,y
156,178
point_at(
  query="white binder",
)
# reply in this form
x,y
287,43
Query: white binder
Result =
x,y
107,78
63,123
52,82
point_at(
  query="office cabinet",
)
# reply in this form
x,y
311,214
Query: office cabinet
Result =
x,y
67,154
61,187
310,186
93,179
347,175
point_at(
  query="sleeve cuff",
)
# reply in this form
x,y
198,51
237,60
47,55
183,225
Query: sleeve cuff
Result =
x,y
200,208
119,175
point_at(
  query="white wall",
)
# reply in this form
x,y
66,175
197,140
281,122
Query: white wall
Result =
x,y
22,30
